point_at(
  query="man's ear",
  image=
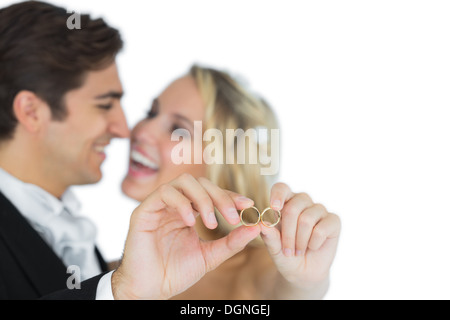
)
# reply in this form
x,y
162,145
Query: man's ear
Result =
x,y
31,112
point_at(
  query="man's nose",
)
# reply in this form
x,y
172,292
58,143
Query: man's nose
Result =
x,y
118,126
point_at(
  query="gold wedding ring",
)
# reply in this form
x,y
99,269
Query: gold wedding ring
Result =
x,y
273,221
251,220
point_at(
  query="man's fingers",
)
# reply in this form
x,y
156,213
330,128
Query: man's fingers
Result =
x,y
205,195
227,202
221,200
200,198
165,197
240,201
218,251
176,200
188,195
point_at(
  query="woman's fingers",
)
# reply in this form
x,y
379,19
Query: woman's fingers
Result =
x,y
307,223
280,194
304,224
272,239
308,229
327,228
290,217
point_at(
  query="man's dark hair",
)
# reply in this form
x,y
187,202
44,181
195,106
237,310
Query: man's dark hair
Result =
x,y
39,53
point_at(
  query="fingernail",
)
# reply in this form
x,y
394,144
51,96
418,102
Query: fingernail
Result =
x,y
212,218
276,204
298,252
244,199
190,219
287,252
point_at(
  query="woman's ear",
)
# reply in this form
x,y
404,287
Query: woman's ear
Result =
x,y
30,111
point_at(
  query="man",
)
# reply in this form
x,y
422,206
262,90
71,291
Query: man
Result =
x,y
59,109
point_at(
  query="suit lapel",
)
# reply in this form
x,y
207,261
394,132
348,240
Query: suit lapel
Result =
x,y
102,263
45,271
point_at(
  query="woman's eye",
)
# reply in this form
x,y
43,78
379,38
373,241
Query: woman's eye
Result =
x,y
180,132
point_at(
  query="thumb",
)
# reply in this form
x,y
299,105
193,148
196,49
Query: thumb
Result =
x,y
218,251
272,239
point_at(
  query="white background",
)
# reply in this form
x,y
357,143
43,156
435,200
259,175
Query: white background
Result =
x,y
362,91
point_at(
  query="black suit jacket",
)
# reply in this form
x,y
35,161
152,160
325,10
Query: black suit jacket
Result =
x,y
29,269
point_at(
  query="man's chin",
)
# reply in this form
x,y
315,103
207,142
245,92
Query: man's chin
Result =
x,y
97,177
89,178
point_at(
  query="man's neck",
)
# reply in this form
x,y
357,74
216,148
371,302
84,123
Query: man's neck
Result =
x,y
28,168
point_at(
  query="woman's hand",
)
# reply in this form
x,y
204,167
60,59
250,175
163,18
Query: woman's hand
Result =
x,y
163,254
304,243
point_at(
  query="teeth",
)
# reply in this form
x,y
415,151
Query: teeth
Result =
x,y
99,148
138,157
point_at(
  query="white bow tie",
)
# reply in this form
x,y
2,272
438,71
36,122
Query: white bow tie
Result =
x,y
72,239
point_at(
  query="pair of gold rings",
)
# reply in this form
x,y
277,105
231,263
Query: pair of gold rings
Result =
x,y
269,217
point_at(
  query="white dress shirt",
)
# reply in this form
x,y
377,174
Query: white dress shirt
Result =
x,y
71,236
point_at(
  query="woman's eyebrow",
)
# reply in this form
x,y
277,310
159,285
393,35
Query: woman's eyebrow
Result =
x,y
156,105
183,118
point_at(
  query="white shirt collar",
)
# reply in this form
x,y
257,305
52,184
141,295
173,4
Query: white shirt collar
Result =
x,y
28,198
71,236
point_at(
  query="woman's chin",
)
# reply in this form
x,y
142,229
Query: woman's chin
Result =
x,y
135,190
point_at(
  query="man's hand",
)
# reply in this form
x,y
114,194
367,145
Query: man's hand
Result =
x,y
163,254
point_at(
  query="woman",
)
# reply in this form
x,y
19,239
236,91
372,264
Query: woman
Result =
x,y
291,261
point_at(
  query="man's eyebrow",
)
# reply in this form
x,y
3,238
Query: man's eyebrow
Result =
x,y
155,103
111,94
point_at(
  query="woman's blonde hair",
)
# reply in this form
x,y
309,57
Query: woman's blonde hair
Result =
x,y
229,105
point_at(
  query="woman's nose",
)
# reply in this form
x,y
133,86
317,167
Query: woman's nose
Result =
x,y
147,131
